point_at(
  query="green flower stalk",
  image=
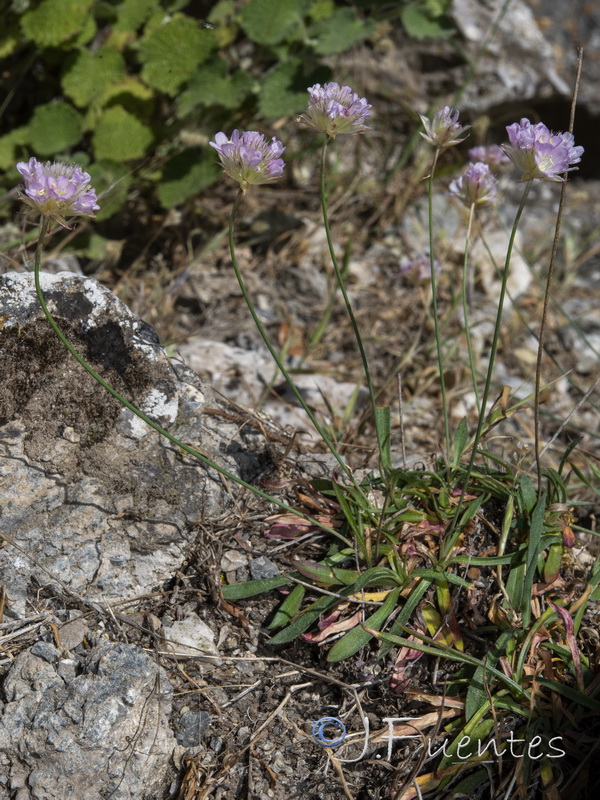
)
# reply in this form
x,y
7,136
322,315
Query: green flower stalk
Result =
x,y
61,190
337,110
475,187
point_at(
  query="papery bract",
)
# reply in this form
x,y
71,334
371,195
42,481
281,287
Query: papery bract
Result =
x,y
249,158
476,185
335,110
539,153
443,129
57,190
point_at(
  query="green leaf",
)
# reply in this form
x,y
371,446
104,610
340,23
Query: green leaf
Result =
x,y
133,13
358,637
239,591
476,693
528,494
92,73
185,175
384,432
304,621
460,440
340,32
54,128
289,608
213,86
171,53
534,541
419,23
119,136
271,21
322,573
9,38
111,182
54,22
11,147
283,91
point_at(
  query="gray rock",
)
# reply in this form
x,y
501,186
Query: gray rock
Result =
x,y
101,732
96,497
517,62
263,567
192,728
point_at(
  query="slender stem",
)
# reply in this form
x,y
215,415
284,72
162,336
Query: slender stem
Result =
x,y
275,355
540,352
186,448
341,283
452,534
436,324
465,300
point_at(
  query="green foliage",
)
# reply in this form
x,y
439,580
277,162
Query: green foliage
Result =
x,y
171,53
214,86
425,19
54,128
158,69
341,31
271,21
186,175
92,73
119,136
55,22
11,146
112,182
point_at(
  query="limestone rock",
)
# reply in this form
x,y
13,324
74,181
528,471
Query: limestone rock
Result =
x,y
102,732
92,494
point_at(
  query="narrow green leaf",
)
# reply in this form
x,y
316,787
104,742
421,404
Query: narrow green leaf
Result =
x,y
358,637
239,591
289,608
461,434
476,693
571,694
383,424
305,620
322,573
528,494
533,549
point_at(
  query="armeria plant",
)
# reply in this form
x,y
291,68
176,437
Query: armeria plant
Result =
x,y
412,552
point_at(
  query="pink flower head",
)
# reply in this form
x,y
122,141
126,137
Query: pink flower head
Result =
x,y
491,154
418,269
540,153
443,129
249,158
57,190
476,185
335,109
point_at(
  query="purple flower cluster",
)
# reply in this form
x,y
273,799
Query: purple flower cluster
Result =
x,y
57,190
476,186
491,154
540,153
443,129
335,110
249,158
